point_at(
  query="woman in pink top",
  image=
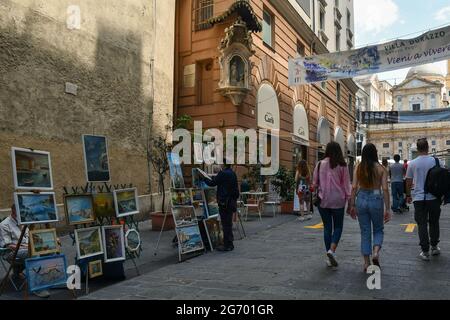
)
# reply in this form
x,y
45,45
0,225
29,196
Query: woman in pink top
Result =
x,y
332,179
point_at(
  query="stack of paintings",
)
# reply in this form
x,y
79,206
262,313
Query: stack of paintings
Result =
x,y
186,223
32,171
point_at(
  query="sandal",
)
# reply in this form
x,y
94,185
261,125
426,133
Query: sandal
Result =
x,y
376,260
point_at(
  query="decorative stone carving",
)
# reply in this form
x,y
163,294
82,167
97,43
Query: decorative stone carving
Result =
x,y
235,66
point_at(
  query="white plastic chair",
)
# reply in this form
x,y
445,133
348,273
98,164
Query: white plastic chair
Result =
x,y
252,205
274,203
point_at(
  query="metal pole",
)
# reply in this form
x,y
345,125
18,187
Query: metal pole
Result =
x,y
13,262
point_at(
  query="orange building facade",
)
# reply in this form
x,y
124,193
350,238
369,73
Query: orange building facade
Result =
x,y
231,71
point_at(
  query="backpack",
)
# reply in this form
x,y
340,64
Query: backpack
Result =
x,y
437,181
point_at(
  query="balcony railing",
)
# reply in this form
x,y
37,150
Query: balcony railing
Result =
x,y
350,38
323,2
323,36
203,12
337,18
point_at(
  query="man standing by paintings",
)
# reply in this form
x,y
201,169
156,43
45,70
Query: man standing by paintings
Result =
x,y
227,195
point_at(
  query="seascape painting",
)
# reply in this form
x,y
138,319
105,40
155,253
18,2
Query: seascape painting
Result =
x,y
43,241
35,207
31,169
126,202
189,239
45,272
79,209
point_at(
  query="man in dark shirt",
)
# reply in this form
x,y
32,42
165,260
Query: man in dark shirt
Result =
x,y
227,195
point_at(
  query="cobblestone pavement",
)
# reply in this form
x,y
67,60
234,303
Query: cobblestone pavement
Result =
x,y
287,261
148,262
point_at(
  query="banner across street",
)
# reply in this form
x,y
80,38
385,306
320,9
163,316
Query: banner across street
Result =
x,y
429,47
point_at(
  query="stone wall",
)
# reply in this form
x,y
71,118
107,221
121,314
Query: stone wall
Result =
x,y
109,59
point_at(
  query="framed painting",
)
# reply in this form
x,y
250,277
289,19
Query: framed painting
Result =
x,y
189,239
181,197
197,175
43,241
132,240
79,208
212,205
184,216
95,269
46,272
88,241
126,202
176,174
32,169
35,208
214,232
113,238
96,158
104,205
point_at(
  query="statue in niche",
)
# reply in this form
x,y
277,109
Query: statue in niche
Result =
x,y
237,72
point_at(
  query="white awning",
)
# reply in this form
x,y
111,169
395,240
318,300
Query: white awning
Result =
x,y
268,111
300,127
323,131
351,145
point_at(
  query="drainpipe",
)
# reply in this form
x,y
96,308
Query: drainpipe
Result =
x,y
152,103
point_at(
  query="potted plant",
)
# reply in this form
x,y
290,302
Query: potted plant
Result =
x,y
284,184
157,150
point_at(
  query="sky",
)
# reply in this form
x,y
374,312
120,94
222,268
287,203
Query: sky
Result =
x,y
379,21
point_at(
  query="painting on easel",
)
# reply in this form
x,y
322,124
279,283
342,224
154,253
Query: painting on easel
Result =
x,y
176,174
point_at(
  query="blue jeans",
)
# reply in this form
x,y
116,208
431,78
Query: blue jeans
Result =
x,y
369,205
397,195
333,223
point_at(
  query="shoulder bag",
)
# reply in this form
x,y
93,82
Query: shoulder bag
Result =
x,y
316,199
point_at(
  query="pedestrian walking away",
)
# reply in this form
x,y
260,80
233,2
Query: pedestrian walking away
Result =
x,y
332,181
227,195
396,173
302,195
370,193
427,208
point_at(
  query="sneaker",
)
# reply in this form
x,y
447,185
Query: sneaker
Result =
x,y
301,219
42,294
425,256
435,251
309,217
332,257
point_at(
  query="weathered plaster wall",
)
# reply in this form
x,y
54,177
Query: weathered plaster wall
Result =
x,y
108,59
